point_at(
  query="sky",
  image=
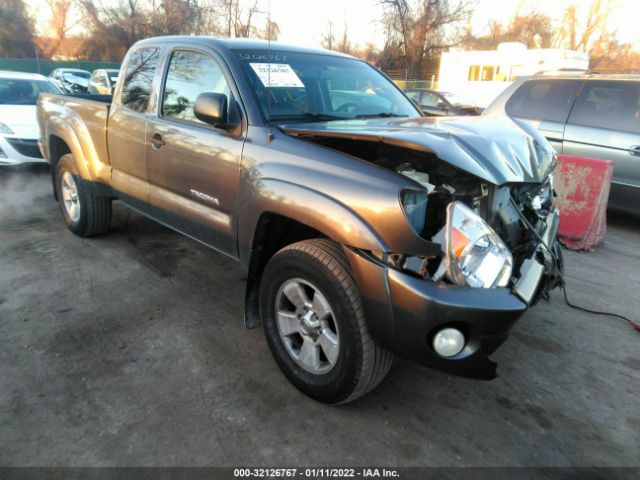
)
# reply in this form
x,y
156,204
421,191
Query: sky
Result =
x,y
303,22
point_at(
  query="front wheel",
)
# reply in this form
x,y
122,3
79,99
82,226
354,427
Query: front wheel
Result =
x,y
314,323
85,213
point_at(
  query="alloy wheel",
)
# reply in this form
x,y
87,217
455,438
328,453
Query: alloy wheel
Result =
x,y
307,326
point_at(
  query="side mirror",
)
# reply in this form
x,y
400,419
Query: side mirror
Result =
x,y
211,108
443,105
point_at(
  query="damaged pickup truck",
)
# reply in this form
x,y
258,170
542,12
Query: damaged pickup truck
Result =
x,y
367,230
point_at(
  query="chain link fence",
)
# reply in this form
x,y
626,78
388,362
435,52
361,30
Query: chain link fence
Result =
x,y
407,78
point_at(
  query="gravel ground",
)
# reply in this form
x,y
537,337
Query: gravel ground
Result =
x,y
129,349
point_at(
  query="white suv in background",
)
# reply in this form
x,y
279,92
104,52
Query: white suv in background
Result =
x,y
18,125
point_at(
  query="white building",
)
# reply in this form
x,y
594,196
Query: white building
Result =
x,y
480,75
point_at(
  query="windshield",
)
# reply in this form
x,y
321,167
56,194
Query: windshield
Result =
x,y
454,99
17,91
316,87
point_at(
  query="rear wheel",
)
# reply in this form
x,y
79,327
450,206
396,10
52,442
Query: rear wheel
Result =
x,y
85,213
314,323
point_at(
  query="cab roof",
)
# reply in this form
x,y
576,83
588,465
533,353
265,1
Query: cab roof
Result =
x,y
238,44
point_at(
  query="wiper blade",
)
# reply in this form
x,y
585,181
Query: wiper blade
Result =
x,y
380,115
308,116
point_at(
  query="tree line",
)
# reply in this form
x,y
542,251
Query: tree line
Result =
x,y
416,31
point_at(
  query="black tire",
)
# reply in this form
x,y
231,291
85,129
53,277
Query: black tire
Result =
x,y
361,363
94,209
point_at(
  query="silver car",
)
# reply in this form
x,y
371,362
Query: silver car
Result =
x,y
70,80
586,115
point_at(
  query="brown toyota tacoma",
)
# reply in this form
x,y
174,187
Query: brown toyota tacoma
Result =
x,y
367,230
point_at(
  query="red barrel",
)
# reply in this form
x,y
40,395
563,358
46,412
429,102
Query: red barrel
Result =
x,y
582,185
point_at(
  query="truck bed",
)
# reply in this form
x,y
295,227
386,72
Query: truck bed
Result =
x,y
90,96
87,114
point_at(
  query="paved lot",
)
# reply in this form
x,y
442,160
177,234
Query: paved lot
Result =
x,y
129,349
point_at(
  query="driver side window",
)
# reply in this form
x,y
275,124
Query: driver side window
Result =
x,y
190,74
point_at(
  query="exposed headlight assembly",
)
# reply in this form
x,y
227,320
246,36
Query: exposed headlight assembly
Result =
x,y
5,129
414,204
475,256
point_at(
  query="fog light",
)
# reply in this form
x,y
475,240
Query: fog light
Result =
x,y
448,342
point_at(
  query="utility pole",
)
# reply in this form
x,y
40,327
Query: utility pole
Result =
x,y
37,58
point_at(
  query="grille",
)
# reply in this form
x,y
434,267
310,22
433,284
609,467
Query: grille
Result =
x,y
28,148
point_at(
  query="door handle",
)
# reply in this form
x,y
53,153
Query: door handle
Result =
x,y
634,150
156,141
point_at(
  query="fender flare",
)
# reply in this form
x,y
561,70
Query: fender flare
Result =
x,y
90,167
328,216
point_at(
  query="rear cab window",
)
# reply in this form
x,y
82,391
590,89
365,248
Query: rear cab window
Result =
x,y
546,99
138,78
609,104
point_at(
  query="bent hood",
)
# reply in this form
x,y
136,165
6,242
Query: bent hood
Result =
x,y
495,149
71,78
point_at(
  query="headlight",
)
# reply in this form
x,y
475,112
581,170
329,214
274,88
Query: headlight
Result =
x,y
414,204
475,255
5,129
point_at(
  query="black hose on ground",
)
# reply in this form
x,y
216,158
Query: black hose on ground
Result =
x,y
635,325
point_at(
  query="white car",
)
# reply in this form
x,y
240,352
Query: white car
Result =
x,y
19,130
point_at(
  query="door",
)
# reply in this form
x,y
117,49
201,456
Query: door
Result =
x,y
194,168
126,135
605,123
546,103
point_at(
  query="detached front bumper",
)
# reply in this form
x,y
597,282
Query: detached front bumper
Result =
x,y
405,312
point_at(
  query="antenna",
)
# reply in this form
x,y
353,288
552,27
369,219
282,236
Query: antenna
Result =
x,y
269,135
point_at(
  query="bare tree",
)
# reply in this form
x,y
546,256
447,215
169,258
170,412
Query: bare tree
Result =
x,y
328,38
238,18
110,31
533,28
422,28
344,45
576,35
59,24
330,42
271,31
16,30
175,17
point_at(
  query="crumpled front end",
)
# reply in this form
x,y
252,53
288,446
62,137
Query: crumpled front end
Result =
x,y
481,194
453,318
